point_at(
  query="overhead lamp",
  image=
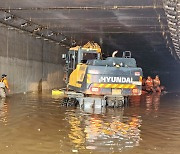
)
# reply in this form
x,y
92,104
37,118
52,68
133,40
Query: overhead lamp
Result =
x,y
176,44
63,39
37,29
172,28
169,8
173,34
171,23
175,39
8,18
171,16
51,34
24,24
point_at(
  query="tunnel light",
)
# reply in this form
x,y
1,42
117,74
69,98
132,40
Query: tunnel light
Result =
x,y
45,39
8,18
171,28
171,23
176,44
51,34
37,29
178,53
171,16
175,40
172,20
24,24
177,50
176,47
169,8
63,39
173,34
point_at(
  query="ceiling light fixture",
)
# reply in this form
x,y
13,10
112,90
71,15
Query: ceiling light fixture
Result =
x,y
24,24
8,18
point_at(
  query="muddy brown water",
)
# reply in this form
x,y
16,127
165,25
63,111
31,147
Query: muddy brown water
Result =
x,y
37,124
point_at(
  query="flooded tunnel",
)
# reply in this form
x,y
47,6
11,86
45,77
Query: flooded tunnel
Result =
x,y
34,35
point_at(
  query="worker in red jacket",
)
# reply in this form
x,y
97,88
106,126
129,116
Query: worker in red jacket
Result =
x,y
149,84
156,84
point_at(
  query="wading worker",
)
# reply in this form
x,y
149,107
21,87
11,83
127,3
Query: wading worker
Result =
x,y
149,84
157,83
4,85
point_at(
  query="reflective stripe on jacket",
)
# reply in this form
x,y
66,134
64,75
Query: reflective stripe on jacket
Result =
x,y
5,81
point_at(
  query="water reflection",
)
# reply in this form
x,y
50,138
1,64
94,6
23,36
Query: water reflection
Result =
x,y
152,102
39,124
3,111
108,131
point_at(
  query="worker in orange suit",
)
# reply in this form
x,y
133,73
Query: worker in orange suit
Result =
x,y
156,84
149,84
4,85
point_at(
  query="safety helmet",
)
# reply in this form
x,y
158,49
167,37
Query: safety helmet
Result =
x,y
4,75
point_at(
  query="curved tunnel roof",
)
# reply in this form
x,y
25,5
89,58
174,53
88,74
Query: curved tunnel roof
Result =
x,y
140,26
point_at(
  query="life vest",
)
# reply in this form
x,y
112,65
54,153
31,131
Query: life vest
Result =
x,y
2,84
149,82
156,82
4,81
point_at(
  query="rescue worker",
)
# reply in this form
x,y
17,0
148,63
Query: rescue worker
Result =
x,y
149,85
156,84
4,85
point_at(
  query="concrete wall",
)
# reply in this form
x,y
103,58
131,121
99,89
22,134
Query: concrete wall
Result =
x,y
31,64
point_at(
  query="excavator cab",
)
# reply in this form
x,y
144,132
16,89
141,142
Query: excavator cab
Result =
x,y
80,55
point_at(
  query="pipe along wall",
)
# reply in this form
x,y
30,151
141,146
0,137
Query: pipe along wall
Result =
x,y
31,64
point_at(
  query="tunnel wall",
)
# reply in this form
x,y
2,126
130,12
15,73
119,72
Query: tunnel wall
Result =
x,y
31,64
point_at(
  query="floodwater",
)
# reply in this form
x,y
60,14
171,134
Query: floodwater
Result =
x,y
38,124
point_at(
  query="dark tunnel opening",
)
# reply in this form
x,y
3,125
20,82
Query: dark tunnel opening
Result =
x,y
153,59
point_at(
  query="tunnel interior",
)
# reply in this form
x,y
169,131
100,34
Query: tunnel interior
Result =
x,y
139,26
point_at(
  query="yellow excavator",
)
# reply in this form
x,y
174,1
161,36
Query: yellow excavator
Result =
x,y
112,80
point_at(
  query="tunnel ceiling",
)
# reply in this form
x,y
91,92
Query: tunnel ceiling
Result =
x,y
139,25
